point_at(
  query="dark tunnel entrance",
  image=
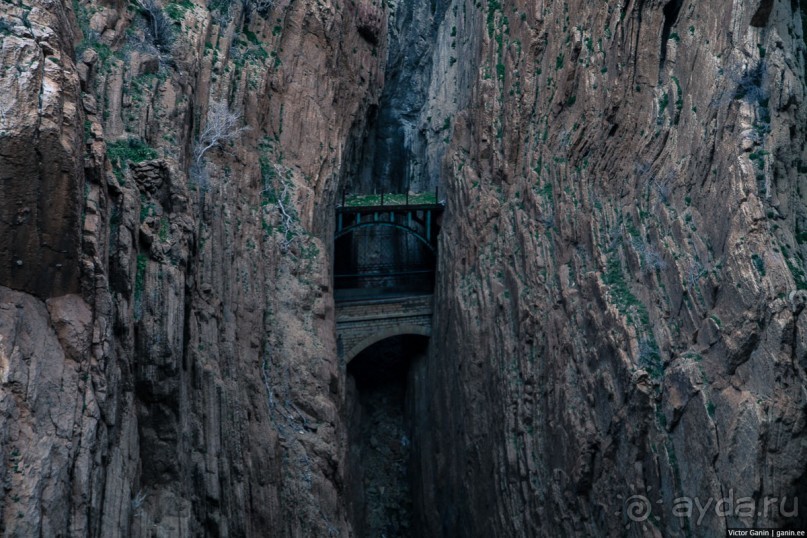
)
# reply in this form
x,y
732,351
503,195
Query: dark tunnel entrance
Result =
x,y
380,437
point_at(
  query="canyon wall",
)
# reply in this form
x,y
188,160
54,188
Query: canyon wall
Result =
x,y
167,352
622,278
621,275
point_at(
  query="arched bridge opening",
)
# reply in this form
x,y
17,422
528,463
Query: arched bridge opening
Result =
x,y
380,428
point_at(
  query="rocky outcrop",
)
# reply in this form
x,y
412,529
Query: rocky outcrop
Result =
x,y
40,151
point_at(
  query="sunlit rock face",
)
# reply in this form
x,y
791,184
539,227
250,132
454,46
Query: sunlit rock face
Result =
x,y
620,283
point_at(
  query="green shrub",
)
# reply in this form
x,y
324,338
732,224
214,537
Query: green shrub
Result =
x,y
122,152
759,263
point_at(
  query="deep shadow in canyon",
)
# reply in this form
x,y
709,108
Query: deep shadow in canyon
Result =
x,y
395,150
380,434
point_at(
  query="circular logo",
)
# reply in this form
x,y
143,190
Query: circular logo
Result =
x,y
638,507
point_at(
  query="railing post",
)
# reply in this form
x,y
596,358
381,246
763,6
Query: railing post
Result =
x,y
437,195
382,198
407,197
344,192
429,225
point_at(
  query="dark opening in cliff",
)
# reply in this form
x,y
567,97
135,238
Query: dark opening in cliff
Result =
x,y
671,11
379,473
382,262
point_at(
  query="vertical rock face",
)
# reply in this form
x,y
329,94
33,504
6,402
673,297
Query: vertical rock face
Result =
x,y
621,272
167,358
393,149
40,152
621,288
402,146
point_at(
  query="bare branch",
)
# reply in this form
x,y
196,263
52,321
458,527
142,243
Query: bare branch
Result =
x,y
288,221
652,259
693,274
222,126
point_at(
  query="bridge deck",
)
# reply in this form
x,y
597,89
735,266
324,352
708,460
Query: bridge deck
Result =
x,y
386,208
390,199
371,295
363,310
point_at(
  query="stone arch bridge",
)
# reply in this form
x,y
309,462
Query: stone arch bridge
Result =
x,y
385,258
363,323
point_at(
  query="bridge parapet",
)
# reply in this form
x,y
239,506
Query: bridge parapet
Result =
x,y
387,246
360,324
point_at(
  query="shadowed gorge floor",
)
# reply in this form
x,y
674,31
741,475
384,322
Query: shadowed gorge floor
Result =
x,y
380,437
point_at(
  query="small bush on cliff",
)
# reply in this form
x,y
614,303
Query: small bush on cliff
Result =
x,y
652,259
749,84
745,84
759,263
125,151
160,26
5,27
650,358
139,286
662,189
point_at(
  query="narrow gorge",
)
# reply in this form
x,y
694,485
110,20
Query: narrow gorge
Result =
x,y
495,268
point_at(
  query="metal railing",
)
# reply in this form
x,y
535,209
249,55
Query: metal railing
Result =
x,y
390,199
408,244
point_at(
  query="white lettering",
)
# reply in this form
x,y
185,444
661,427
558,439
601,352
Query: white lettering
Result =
x,y
793,513
682,507
702,509
725,507
745,507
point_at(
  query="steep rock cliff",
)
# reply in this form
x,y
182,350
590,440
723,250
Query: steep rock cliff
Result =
x,y
167,360
621,272
621,280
